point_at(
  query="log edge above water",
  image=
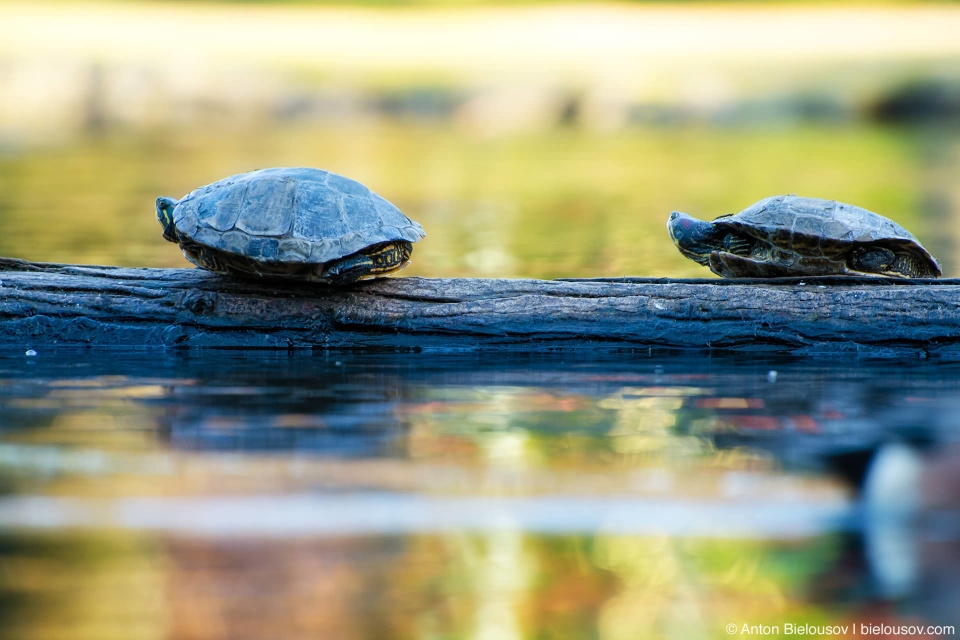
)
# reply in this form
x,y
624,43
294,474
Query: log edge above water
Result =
x,y
43,305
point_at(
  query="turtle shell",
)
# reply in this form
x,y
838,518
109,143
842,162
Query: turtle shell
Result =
x,y
817,227
291,216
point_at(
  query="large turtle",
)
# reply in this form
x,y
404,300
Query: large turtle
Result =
x,y
299,223
795,236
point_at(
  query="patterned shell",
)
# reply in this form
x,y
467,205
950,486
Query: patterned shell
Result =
x,y
796,223
290,215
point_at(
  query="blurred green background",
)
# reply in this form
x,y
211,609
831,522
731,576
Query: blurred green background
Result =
x,y
544,140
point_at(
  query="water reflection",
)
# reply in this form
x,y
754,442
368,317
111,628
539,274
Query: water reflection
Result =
x,y
401,495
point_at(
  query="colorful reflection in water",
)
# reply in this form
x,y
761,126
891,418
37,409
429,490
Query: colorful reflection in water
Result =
x,y
413,496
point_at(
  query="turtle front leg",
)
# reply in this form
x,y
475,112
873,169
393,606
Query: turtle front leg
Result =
x,y
349,269
730,265
378,260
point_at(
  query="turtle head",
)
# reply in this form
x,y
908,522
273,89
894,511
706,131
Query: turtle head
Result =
x,y
165,208
695,239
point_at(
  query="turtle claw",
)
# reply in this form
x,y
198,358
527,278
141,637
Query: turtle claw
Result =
x,y
729,265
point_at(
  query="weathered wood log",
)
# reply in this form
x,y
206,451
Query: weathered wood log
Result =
x,y
43,305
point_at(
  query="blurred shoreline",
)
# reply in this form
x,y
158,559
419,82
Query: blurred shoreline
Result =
x,y
490,70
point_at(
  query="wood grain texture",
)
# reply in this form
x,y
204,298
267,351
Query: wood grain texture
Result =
x,y
73,305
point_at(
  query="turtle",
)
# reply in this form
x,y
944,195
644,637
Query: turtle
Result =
x,y
297,223
790,235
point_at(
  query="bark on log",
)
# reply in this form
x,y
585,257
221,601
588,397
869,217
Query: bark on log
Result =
x,y
44,305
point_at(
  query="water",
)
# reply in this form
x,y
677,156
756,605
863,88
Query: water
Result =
x,y
232,494
556,204
389,495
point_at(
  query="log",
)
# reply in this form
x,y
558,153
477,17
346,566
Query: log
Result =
x,y
52,305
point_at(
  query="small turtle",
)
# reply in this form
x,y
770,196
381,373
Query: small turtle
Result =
x,y
298,223
794,236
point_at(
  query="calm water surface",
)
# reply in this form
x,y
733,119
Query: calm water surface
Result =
x,y
239,495
202,495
